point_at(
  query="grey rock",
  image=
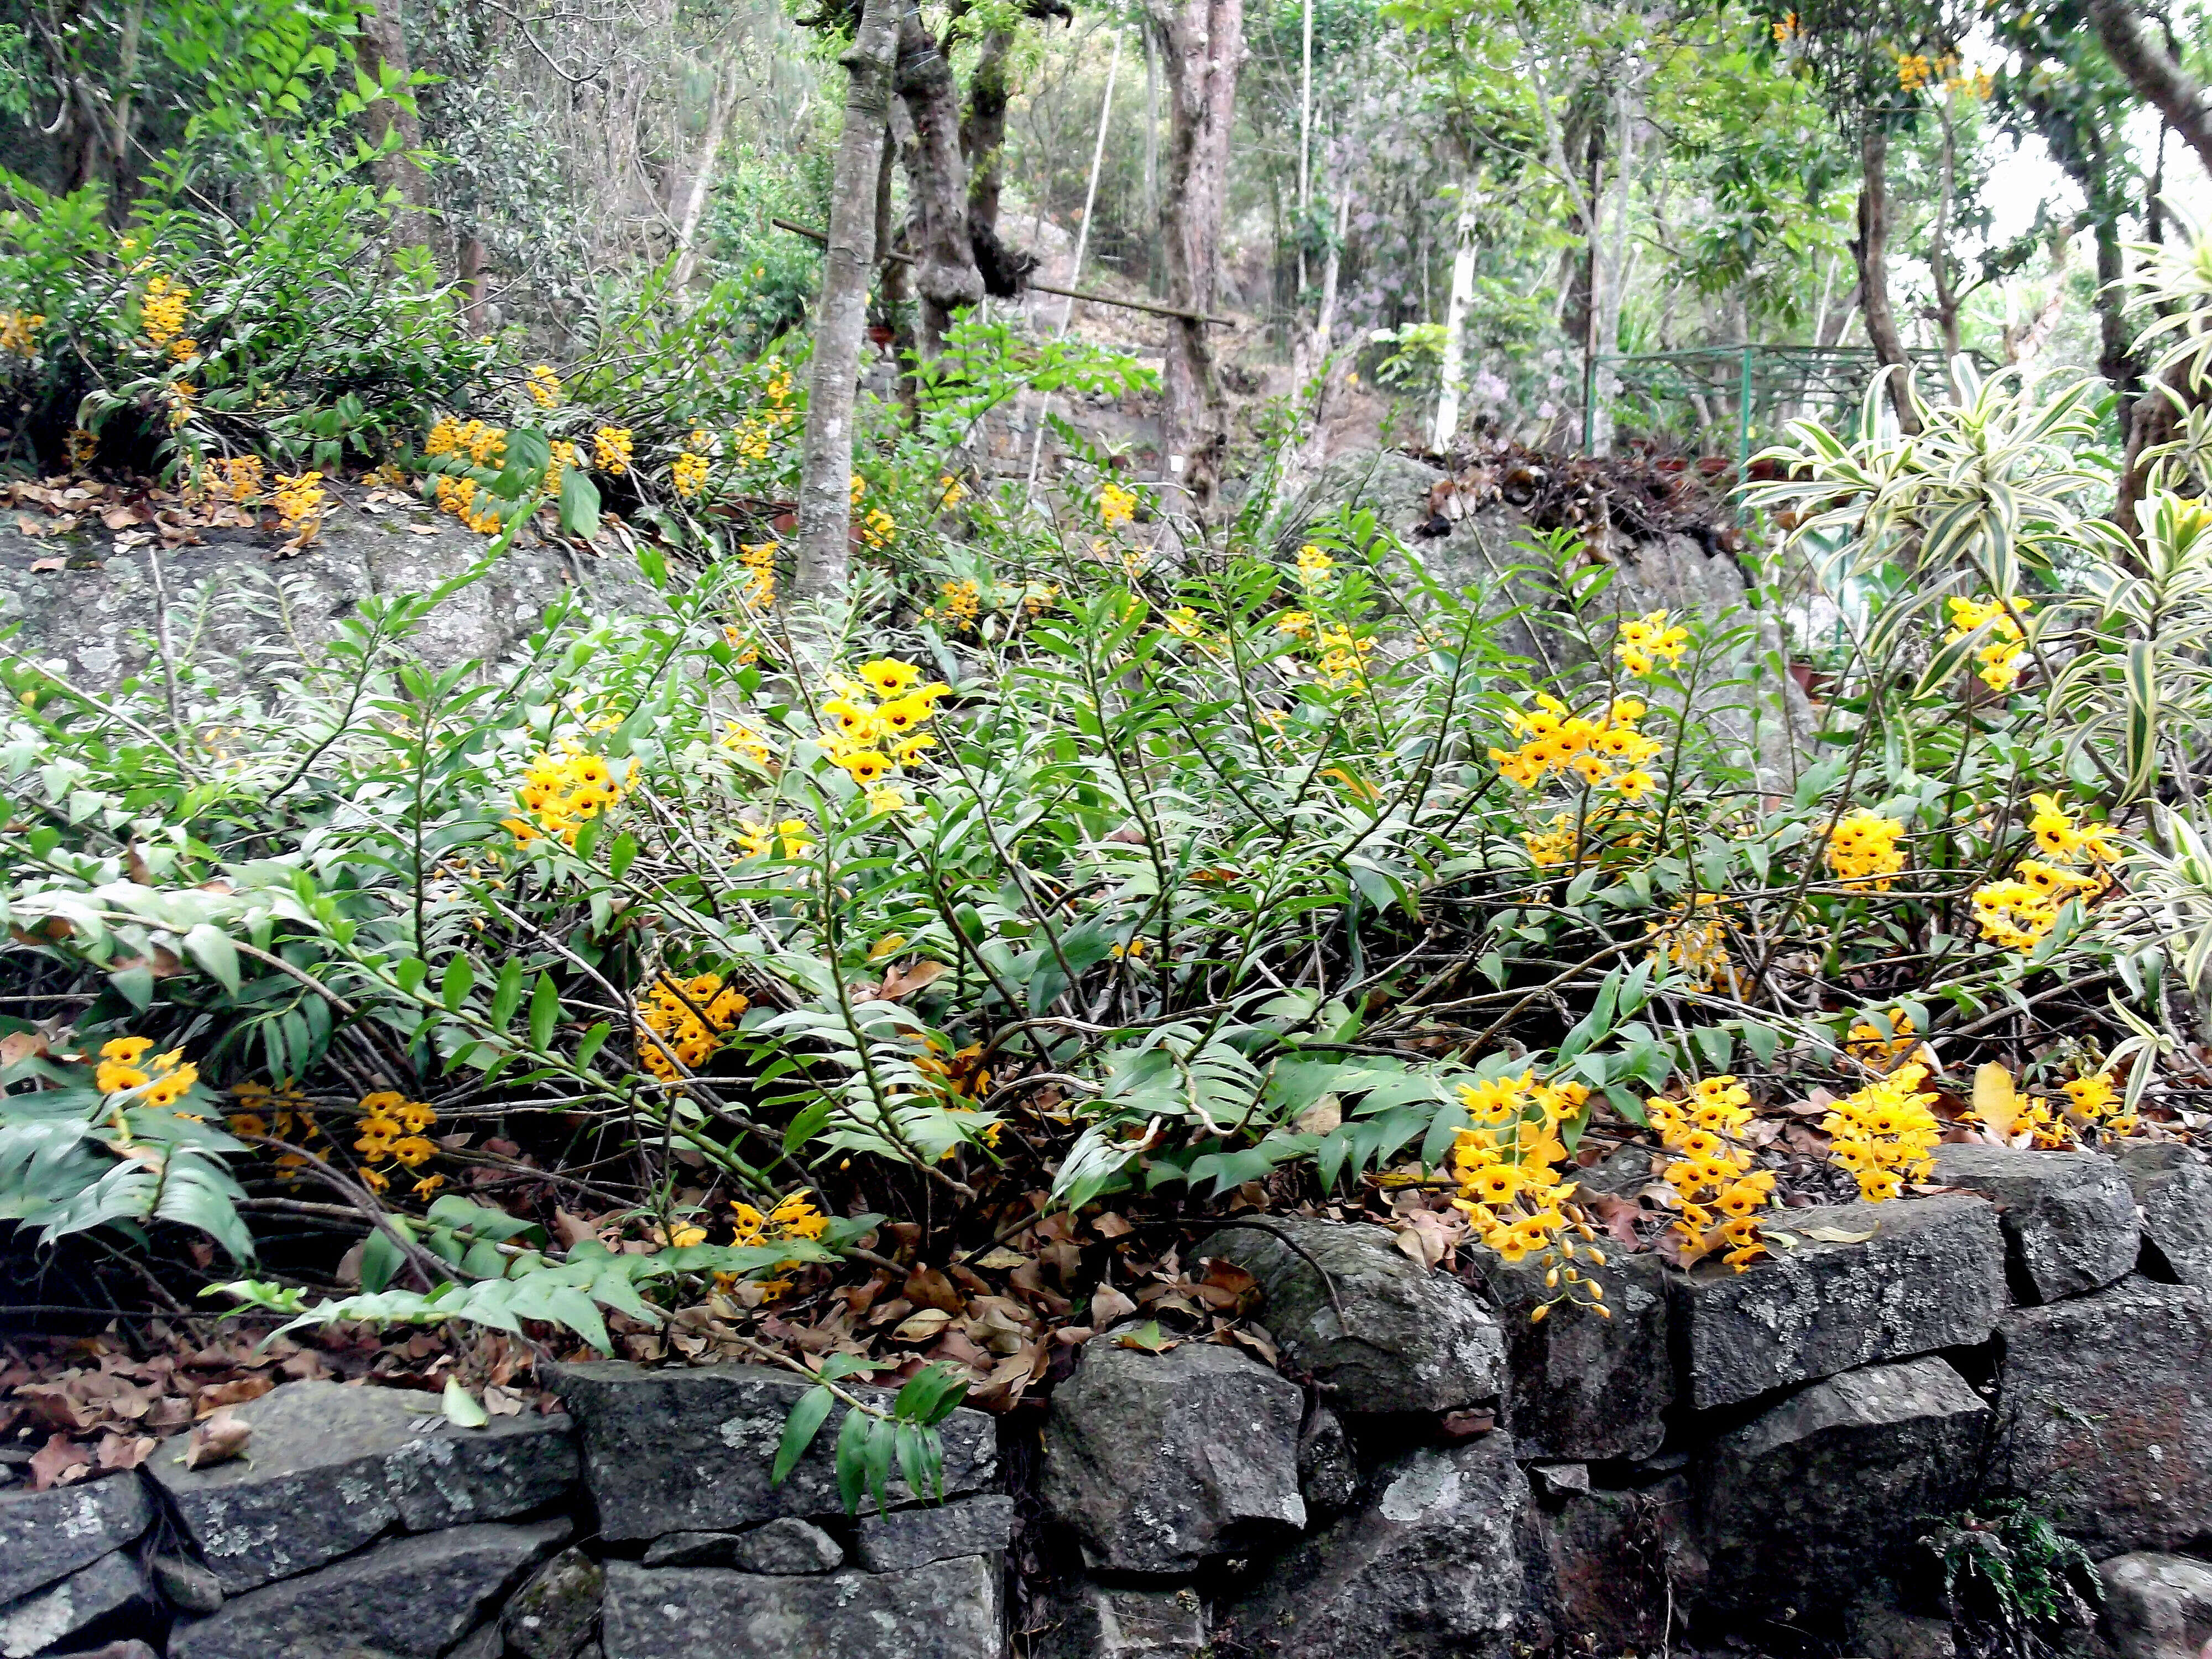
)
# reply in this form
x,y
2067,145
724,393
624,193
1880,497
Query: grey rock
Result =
x,y
1156,1462
93,622
1102,1621
2157,1607
1931,1276
2106,1402
1428,1566
47,1535
2172,1185
553,1615
1408,1340
330,1466
786,1545
1885,1632
484,1642
1559,1480
2069,1218
186,1585
690,1451
1582,1387
106,1589
1608,1565
914,1537
946,1610
129,1648
1817,1497
408,1598
1328,1472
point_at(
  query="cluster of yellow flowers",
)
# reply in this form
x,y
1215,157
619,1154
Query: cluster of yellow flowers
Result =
x,y
1877,1053
611,450
749,441
1720,1193
1917,70
477,509
1507,1164
2057,833
1314,567
562,791
391,1130
563,457
759,561
544,387
1885,1133
689,474
298,500
162,313
482,443
83,446
19,333
1116,505
687,1022
867,737
166,1078
878,527
1694,944
1862,850
958,602
1788,29
237,477
745,742
756,839
1554,739
179,395
2097,1103
1645,639
793,1217
259,1111
1997,662
1550,848
2017,912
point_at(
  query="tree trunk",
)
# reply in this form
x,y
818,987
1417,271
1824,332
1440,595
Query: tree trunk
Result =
x,y
841,318
1315,452
718,112
1454,376
945,277
378,46
1942,276
1870,249
1201,49
2139,55
983,130
469,264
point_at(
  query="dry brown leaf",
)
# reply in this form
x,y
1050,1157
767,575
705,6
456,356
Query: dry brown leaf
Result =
x,y
1461,1425
922,1326
905,981
926,1287
1254,1340
125,1451
1324,1116
502,1402
57,1462
1109,1305
1111,1225
212,1399
21,1045
221,1437
122,518
999,1257
48,566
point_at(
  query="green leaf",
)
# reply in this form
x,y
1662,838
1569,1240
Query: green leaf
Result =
x,y
462,1409
579,503
544,1012
799,1431
621,855
212,948
881,1446
593,1040
508,997
460,979
851,1469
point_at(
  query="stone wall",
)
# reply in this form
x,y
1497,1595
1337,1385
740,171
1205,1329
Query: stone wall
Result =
x,y
1426,1471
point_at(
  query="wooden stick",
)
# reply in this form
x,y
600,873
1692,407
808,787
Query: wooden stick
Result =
x,y
1084,295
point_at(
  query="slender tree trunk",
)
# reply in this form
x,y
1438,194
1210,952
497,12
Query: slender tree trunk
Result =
x,y
1201,49
2139,55
1942,276
469,264
701,180
119,161
983,130
1315,452
1152,147
1870,249
890,275
841,316
378,46
1454,376
945,276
